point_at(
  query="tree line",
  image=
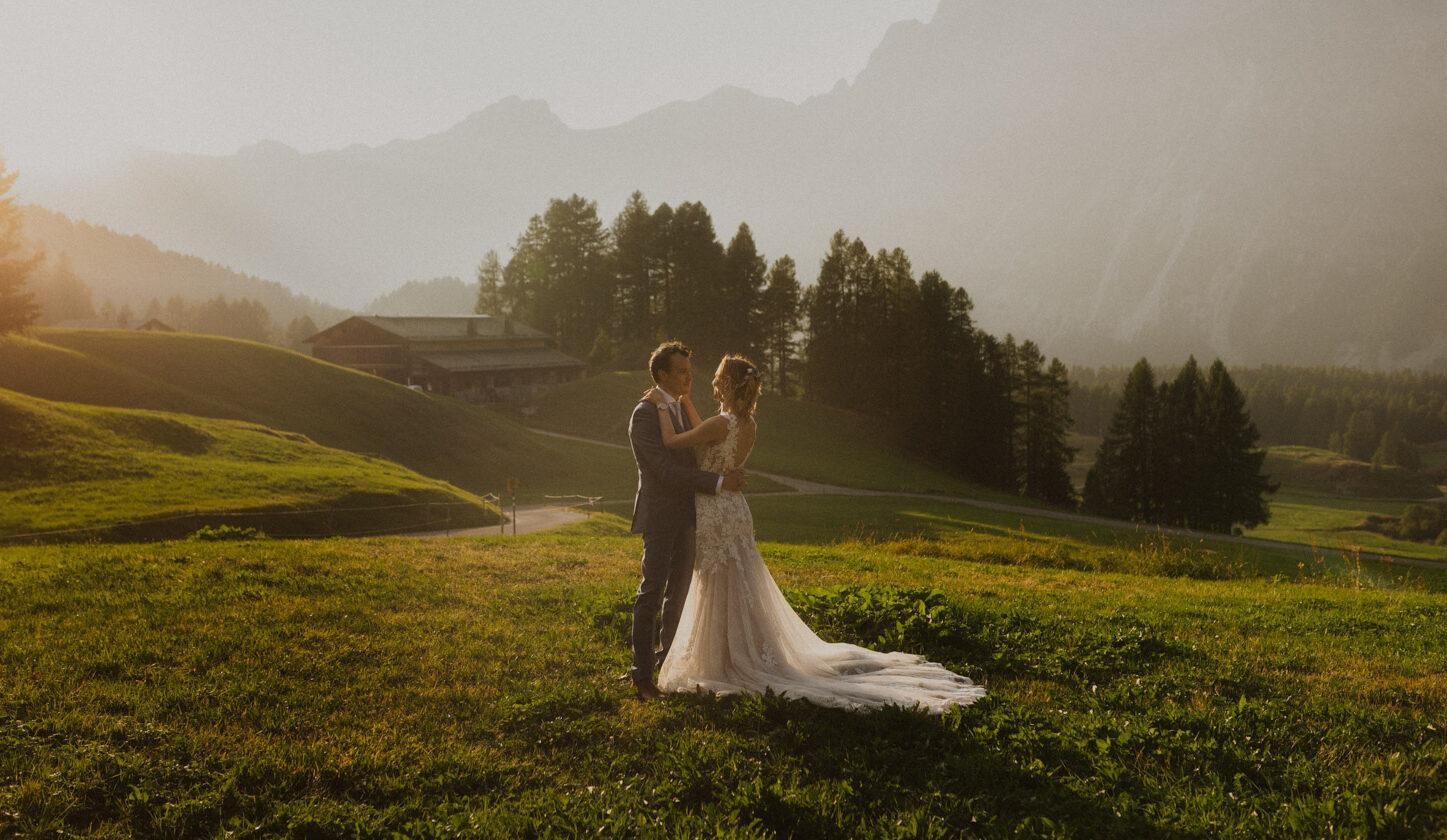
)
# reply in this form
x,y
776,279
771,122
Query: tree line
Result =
x,y
608,293
1184,453
868,335
1369,416
56,294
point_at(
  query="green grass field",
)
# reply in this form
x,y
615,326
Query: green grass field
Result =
x,y
958,530
469,688
469,446
1312,508
108,472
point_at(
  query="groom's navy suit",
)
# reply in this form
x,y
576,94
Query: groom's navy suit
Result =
x,y
663,513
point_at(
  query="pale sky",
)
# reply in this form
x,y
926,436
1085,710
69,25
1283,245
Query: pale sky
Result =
x,y
83,79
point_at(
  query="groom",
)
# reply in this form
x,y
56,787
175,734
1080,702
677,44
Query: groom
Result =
x,y
663,512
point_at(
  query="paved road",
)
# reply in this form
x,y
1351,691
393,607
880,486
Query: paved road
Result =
x,y
815,488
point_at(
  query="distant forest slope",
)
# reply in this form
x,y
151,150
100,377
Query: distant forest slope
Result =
x,y
209,376
100,471
132,271
1309,469
438,296
1301,406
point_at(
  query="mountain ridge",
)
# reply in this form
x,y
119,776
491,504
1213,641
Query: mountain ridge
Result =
x,y
1127,179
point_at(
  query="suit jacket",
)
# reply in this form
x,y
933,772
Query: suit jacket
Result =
x,y
667,478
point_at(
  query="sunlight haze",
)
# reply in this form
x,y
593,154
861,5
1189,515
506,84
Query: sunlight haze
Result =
x,y
82,80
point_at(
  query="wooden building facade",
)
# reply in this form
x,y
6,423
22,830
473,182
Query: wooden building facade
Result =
x,y
477,358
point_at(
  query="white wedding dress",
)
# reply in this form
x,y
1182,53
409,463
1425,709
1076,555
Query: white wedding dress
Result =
x,y
739,635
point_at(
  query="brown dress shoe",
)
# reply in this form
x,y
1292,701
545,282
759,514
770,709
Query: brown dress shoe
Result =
x,y
647,691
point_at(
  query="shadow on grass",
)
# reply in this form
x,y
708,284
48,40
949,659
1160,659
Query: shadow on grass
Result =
x,y
991,769
809,771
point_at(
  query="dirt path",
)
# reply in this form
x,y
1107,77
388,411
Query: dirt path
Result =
x,y
815,488
530,518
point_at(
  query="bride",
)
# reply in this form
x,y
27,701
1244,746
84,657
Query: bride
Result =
x,y
737,634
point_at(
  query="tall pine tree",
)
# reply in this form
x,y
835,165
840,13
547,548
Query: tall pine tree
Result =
x,y
1124,483
489,286
635,262
1183,448
741,290
896,336
782,321
1239,488
695,269
1042,406
828,345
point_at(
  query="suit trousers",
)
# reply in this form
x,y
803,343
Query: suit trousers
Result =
x,y
667,572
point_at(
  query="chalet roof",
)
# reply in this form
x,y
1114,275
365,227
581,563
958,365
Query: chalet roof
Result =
x,y
444,327
501,359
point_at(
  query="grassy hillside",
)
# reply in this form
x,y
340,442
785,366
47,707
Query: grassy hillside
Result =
x,y
469,688
796,438
131,473
1324,495
1323,471
466,445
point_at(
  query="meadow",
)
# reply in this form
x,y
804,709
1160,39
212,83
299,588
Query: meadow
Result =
x,y
71,471
469,687
1315,506
473,449
1141,684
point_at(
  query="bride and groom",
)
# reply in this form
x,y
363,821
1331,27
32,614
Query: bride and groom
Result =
x,y
726,628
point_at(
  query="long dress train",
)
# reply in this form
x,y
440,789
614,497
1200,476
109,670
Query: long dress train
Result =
x,y
739,635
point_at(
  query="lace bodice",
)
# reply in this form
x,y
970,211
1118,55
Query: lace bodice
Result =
x,y
722,457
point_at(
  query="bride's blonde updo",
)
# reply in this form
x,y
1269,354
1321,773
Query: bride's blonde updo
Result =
x,y
740,384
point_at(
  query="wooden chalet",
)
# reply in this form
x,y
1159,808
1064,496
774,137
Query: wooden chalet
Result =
x,y
477,358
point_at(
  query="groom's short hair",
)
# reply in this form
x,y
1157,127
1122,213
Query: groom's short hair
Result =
x,y
662,358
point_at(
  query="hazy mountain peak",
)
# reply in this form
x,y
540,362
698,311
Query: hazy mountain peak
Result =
x,y
267,149
513,112
722,106
733,94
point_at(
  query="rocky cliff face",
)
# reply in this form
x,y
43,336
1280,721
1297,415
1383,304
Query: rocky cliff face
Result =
x,y
1264,182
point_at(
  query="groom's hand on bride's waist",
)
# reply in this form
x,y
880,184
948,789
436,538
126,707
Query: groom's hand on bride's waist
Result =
x,y
735,481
